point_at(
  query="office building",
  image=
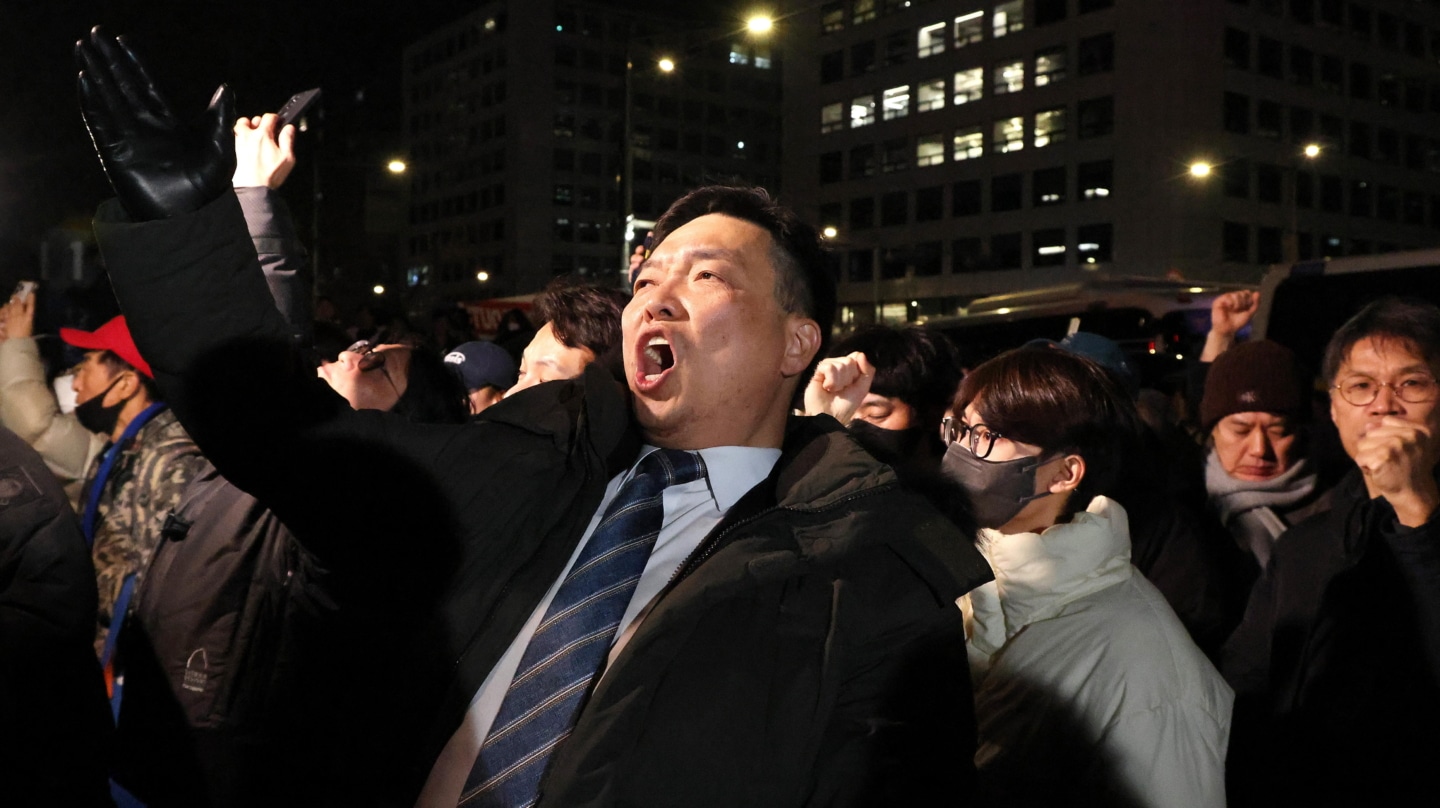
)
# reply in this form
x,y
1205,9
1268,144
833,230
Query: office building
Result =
x,y
960,148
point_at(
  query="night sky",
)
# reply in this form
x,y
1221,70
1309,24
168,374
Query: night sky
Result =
x,y
265,49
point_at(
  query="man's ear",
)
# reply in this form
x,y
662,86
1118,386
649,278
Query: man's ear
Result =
x,y
801,344
1067,474
126,384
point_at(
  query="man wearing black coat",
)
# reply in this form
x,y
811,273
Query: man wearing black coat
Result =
x,y
806,651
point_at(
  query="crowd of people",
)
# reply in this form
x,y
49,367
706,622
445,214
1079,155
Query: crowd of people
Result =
x,y
685,551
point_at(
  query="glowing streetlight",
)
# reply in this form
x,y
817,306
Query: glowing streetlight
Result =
x,y
830,232
482,276
1200,168
1312,150
666,65
760,24
396,166
379,289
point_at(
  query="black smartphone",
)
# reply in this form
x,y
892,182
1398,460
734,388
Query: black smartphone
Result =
x,y
298,105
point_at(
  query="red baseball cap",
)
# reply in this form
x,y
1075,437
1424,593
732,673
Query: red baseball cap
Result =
x,y
114,337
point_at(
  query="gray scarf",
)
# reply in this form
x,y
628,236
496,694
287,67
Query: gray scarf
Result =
x,y
1247,508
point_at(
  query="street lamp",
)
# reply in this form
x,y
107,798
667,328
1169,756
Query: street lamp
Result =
x,y
759,24
1201,169
482,276
830,232
396,166
666,65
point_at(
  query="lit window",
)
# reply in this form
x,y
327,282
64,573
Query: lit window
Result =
x,y
1009,77
1049,66
762,57
832,117
930,95
862,111
1008,18
832,17
864,11
1009,135
969,85
895,102
969,28
1049,126
1049,247
931,40
930,150
969,143
739,55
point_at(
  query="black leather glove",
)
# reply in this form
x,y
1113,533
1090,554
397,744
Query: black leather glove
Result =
x,y
158,166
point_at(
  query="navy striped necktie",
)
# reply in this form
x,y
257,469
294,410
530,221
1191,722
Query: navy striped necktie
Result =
x,y
574,637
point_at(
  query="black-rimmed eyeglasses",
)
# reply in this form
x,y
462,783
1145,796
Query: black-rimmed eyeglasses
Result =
x,y
978,438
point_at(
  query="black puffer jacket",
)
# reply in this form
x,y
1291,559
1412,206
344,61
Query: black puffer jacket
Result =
x,y
813,655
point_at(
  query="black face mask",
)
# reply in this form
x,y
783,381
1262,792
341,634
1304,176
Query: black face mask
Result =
x,y
98,418
892,446
998,490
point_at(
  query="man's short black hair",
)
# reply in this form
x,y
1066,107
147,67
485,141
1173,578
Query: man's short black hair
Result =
x,y
914,364
803,283
1411,322
433,393
113,361
581,315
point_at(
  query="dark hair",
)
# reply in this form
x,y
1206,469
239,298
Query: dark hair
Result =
x,y
434,393
582,316
803,284
1416,323
1060,402
914,364
113,361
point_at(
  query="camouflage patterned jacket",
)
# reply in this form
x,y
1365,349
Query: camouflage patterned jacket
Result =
x,y
145,485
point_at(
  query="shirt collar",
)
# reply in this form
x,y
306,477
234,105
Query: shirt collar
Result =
x,y
731,471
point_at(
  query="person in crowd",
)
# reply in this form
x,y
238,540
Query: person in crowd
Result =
x,y
485,369
236,637
1087,688
1336,664
781,535
913,373
514,332
52,700
580,324
29,408
1258,475
138,478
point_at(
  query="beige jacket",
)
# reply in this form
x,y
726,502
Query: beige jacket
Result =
x,y
29,409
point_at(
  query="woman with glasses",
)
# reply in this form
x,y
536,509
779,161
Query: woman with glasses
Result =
x,y
1087,688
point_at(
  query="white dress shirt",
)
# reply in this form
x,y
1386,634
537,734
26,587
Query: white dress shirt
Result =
x,y
691,510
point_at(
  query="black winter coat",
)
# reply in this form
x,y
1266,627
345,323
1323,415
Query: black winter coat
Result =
x,y
809,654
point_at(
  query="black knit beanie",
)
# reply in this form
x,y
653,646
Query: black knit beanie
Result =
x,y
1255,376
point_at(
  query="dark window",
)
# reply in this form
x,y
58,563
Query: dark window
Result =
x,y
1414,208
897,46
1237,48
1235,242
1094,243
966,198
1361,198
1387,90
862,161
1097,54
1415,152
564,160
1268,182
1094,180
832,166
1097,117
1332,12
1268,245
1415,40
1332,194
1359,80
1302,124
928,258
1049,246
1237,113
1304,190
1360,20
894,208
1235,178
1005,251
831,214
930,203
1359,139
862,213
1006,192
1268,115
1414,95
1302,11
859,265
967,255
1387,146
1332,73
1048,187
895,154
862,58
1387,30
832,66
1269,57
1302,66
1332,131
1049,11
893,262
1387,204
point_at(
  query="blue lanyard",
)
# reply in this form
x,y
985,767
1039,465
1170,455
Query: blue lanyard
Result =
x,y
92,504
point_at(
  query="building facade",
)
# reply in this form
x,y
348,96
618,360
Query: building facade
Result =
x,y
522,119
960,148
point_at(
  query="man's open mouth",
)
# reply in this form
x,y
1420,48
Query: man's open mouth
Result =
x,y
655,359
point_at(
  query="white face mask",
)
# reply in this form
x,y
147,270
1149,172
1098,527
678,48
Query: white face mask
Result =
x,y
65,392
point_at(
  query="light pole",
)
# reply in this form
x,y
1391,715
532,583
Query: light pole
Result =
x,y
1290,243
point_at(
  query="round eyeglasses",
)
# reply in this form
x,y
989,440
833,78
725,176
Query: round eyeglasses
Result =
x,y
1361,391
978,438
